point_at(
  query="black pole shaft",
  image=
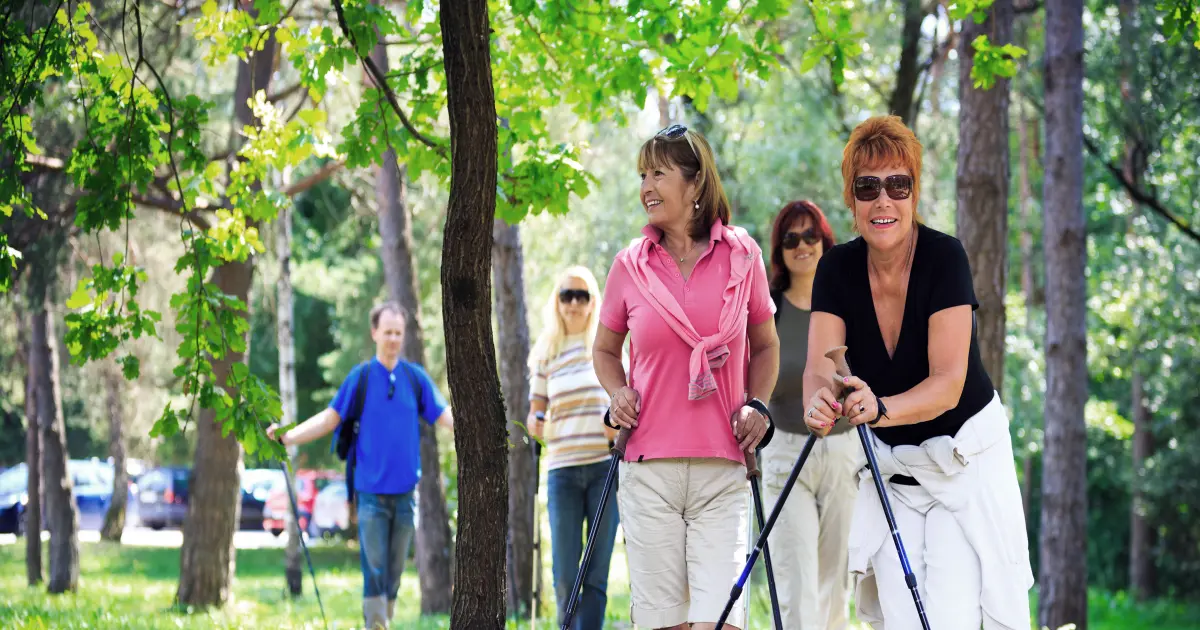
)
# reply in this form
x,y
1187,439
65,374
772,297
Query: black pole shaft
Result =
x,y
758,511
287,480
909,578
766,530
593,532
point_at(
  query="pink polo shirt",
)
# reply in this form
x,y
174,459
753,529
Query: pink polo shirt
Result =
x,y
669,424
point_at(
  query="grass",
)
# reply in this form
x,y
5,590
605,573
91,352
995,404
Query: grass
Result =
x,y
133,587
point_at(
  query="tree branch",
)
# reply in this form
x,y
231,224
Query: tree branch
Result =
x,y
284,93
381,82
1142,197
322,174
173,206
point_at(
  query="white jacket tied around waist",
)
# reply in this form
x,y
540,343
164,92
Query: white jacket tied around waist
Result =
x,y
973,476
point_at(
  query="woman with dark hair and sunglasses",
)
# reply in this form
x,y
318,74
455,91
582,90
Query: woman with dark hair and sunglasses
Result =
x,y
900,297
812,578
566,390
692,295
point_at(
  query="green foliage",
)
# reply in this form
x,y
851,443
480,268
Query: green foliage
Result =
x,y
993,61
1178,17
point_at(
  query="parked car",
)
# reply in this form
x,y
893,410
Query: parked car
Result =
x,y
92,487
258,484
308,484
164,494
331,512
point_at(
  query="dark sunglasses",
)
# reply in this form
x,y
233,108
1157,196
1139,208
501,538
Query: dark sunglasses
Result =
x,y
582,296
391,386
791,240
674,132
866,188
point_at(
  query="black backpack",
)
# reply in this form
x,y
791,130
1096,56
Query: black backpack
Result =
x,y
348,434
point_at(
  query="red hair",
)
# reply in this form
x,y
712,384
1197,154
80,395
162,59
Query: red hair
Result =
x,y
781,279
881,142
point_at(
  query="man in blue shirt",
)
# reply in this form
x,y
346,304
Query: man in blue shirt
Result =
x,y
387,455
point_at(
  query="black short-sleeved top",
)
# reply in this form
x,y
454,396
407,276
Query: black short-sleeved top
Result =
x,y
940,278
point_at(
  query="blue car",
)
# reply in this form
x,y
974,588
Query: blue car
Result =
x,y
92,481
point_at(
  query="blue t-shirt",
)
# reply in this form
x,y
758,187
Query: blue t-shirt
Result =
x,y
388,449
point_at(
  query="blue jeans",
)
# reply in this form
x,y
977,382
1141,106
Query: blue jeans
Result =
x,y
385,529
574,496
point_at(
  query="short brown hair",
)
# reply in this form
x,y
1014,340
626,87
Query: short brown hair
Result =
x,y
387,307
692,155
879,142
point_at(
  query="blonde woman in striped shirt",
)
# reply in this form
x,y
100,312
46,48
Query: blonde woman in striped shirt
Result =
x,y
576,440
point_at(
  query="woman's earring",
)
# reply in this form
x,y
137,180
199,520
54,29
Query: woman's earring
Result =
x,y
696,205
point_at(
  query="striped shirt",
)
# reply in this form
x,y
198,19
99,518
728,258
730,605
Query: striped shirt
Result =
x,y
575,405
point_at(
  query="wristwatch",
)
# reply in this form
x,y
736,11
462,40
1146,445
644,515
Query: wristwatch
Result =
x,y
882,411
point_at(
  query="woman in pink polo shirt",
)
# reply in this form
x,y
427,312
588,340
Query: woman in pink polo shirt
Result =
x,y
692,294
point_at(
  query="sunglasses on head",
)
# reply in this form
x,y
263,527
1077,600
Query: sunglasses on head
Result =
x,y
566,296
866,188
791,240
674,132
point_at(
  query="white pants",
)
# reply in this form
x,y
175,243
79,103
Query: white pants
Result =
x,y
808,543
949,578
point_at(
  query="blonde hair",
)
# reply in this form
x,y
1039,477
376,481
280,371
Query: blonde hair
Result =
x,y
692,155
554,329
880,142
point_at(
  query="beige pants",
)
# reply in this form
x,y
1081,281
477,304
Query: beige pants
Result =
x,y
684,522
808,543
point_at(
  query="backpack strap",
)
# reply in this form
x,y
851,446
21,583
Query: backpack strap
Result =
x,y
418,388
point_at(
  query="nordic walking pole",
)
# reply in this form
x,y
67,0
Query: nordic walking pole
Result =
x,y
287,480
761,542
838,356
537,529
618,454
754,474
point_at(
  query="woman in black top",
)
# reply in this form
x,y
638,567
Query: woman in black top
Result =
x,y
900,297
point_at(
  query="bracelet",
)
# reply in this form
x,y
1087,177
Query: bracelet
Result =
x,y
881,411
607,421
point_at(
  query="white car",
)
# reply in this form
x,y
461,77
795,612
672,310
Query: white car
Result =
x,y
331,512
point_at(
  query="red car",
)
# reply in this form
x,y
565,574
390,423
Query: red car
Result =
x,y
307,484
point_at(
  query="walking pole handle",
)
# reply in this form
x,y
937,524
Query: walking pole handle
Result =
x,y
752,471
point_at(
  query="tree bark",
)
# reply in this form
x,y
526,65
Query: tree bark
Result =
x,y
1027,132
434,542
114,518
908,73
62,516
32,523
475,390
982,183
286,340
207,559
206,564
513,324
1063,579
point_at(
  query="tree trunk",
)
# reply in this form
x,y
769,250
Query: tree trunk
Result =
x,y
114,518
206,561
434,542
908,73
982,182
513,324
284,329
1141,535
33,463
1027,132
62,516
1063,580
475,391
